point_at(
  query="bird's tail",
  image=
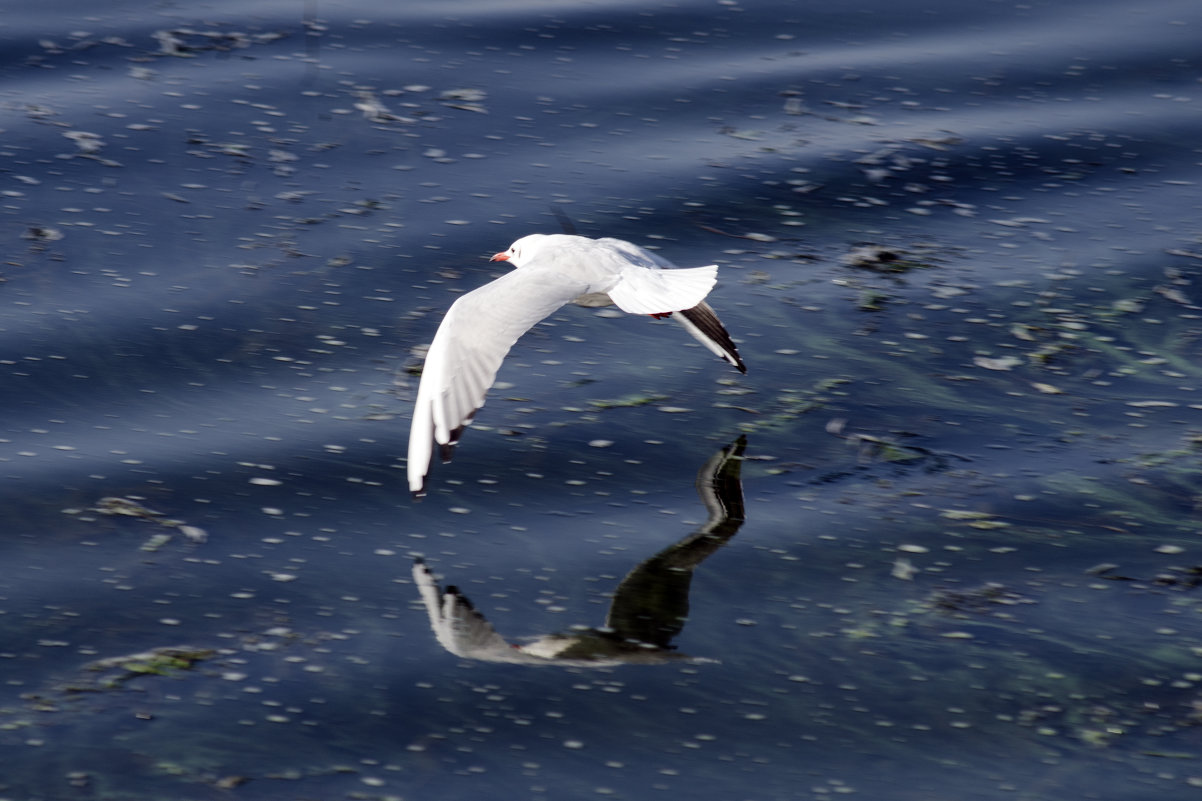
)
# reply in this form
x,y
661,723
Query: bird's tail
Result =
x,y
644,291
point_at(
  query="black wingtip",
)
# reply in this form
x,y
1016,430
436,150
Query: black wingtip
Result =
x,y
706,321
447,449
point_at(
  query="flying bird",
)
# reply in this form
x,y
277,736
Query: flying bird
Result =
x,y
551,270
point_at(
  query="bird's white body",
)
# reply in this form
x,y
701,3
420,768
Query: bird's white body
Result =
x,y
550,271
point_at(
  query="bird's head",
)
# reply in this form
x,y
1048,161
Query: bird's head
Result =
x,y
522,251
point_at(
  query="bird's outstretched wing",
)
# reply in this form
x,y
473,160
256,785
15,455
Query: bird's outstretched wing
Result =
x,y
477,332
702,322
635,254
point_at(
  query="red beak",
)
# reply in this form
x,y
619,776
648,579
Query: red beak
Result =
x,y
502,256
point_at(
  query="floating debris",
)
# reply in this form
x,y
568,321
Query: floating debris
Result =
x,y
976,600
186,42
464,99
999,363
1175,295
962,514
169,43
127,507
375,111
118,670
870,256
627,401
87,142
39,233
881,259
155,542
132,507
194,534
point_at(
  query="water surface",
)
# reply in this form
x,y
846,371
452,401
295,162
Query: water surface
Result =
x,y
959,248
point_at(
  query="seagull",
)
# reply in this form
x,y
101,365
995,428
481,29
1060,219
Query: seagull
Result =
x,y
551,270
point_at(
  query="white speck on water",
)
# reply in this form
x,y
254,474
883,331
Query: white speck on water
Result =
x,y
194,534
903,569
1001,363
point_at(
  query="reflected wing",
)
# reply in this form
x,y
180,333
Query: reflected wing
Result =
x,y
652,602
720,487
456,624
477,332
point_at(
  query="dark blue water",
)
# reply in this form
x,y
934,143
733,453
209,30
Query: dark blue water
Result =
x,y
959,248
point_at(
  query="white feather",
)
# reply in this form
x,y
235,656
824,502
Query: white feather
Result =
x,y
643,291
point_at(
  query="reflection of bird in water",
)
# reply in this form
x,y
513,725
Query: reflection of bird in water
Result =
x,y
549,271
648,609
